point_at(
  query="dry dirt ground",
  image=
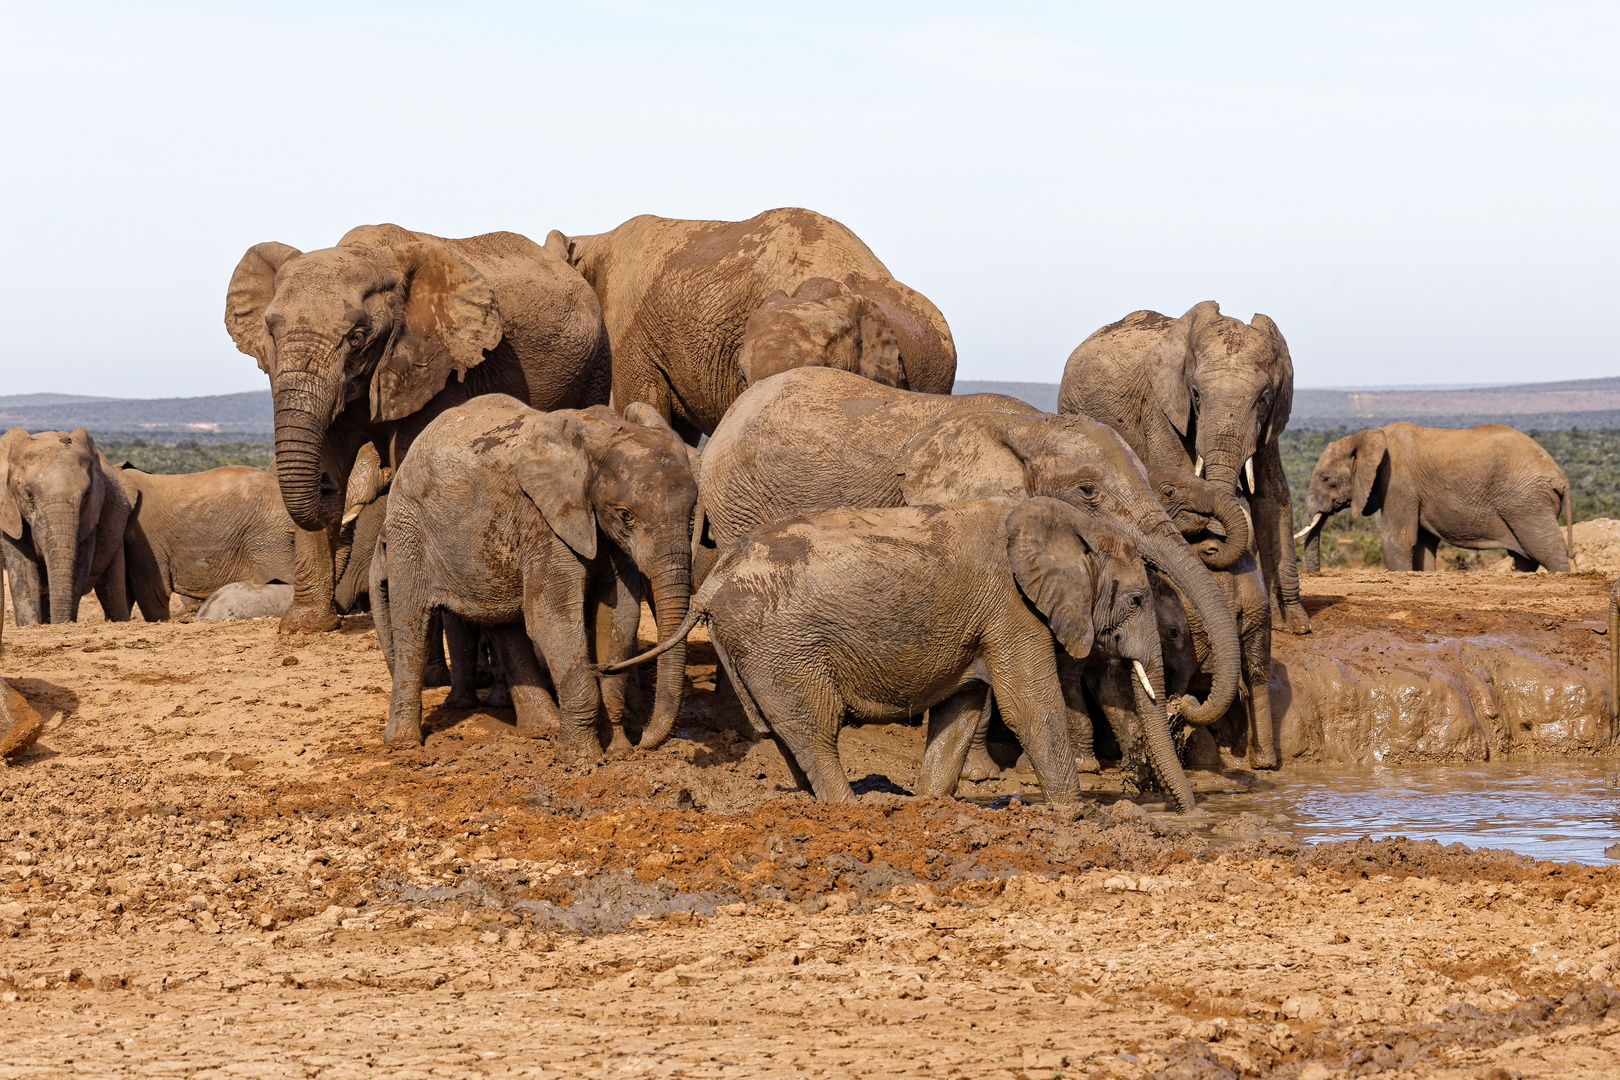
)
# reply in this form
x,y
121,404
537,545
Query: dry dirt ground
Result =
x,y
209,866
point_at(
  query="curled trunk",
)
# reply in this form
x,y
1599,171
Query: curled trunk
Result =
x,y
671,596
1156,733
1230,512
1166,552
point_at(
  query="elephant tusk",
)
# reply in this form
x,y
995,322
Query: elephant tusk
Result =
x,y
1248,471
1198,469
1141,673
1302,533
350,516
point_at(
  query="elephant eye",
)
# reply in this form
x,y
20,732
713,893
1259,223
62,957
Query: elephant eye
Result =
x,y
357,335
1134,601
625,515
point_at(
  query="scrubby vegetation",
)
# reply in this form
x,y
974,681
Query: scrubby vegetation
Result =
x,y
1590,458
186,455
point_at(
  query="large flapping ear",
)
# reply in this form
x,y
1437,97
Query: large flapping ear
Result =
x,y
10,512
253,283
448,320
1372,450
879,348
1171,363
554,470
1052,565
1283,404
973,456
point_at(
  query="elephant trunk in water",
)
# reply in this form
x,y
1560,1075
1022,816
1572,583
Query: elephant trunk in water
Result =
x,y
60,544
671,581
304,408
1150,708
1165,551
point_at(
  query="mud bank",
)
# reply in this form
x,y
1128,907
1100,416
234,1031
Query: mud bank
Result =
x,y
1445,666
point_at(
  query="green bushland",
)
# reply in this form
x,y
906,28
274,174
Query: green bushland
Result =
x,y
187,455
1590,458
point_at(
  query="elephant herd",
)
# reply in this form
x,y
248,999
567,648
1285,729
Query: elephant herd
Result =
x,y
495,443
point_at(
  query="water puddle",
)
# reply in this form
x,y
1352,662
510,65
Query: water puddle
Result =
x,y
1557,810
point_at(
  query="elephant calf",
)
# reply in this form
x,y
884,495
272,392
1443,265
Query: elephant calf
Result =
x,y
1486,488
62,521
883,613
495,516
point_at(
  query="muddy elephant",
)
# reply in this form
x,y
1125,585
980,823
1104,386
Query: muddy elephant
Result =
x,y
823,324
819,438
1209,394
368,341
62,521
365,504
495,515
678,297
1486,488
880,614
195,533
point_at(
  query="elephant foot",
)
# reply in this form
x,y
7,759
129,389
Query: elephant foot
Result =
x,y
620,746
1263,759
436,674
401,737
1087,764
461,698
309,619
499,697
980,765
1292,619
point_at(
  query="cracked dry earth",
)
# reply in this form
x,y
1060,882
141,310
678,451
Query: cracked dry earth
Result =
x,y
210,867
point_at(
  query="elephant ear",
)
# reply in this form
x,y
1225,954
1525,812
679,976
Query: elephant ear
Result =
x,y
554,471
1371,450
1283,404
965,457
559,245
10,512
1052,564
1170,364
879,348
253,283
448,320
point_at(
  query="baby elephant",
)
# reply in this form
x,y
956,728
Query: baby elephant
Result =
x,y
62,521
883,613
1486,488
503,515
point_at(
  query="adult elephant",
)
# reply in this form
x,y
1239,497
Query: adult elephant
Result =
x,y
195,533
361,341
818,438
678,297
1487,488
1208,393
62,521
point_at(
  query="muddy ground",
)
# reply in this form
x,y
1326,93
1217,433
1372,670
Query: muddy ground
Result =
x,y
209,866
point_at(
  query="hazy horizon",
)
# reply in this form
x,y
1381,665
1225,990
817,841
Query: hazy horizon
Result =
x,y
1419,195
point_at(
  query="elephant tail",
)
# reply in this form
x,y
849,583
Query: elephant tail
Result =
x,y
1569,523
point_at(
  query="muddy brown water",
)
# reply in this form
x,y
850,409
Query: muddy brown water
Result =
x,y
1564,811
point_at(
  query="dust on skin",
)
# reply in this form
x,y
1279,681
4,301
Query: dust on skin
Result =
x,y
207,861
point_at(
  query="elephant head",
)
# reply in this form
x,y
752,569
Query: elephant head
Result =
x,y
987,453
1085,576
382,318
631,477
1352,472
823,324
52,485
1228,384
1194,505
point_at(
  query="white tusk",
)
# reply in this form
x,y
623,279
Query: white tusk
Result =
x,y
350,516
1198,469
1141,673
1248,471
1301,534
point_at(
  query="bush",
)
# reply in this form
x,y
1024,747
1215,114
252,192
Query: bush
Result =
x,y
186,456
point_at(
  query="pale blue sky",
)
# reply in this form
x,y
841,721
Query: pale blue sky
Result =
x,y
1415,192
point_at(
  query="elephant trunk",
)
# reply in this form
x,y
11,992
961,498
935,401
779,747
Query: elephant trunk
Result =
x,y
671,594
1231,513
1165,551
1228,459
303,413
1313,544
1150,709
58,542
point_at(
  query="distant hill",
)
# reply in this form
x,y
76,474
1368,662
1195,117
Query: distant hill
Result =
x,y
1581,403
227,417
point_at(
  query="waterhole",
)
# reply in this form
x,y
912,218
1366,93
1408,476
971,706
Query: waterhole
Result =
x,y
1562,811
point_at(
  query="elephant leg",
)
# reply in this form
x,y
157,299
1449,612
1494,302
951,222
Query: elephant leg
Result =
x,y
461,644
616,600
111,590
536,711
556,626
411,620
808,726
27,584
1397,535
499,694
1425,553
1273,513
437,671
979,764
312,610
1257,677
954,726
1082,739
